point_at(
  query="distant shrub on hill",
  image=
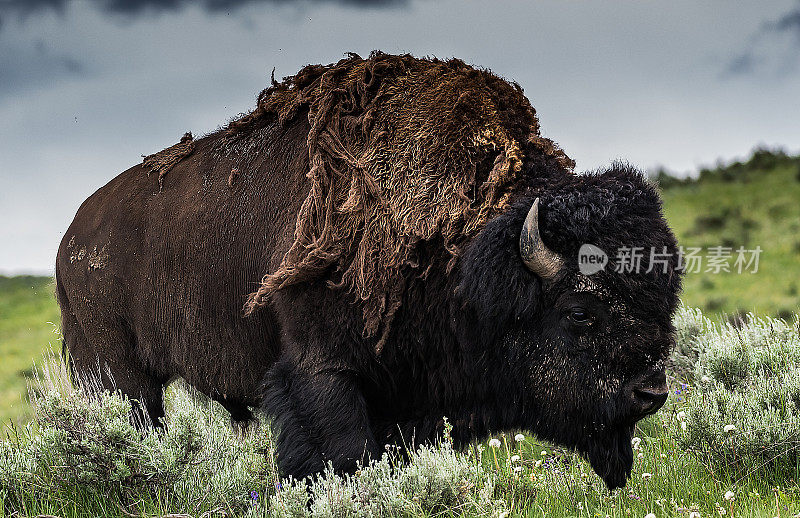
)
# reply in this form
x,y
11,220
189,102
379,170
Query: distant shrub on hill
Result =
x,y
761,159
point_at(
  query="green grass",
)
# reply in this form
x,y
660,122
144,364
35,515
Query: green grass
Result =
x,y
756,203
29,321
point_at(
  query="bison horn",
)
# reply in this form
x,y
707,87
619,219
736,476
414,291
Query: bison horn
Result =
x,y
537,257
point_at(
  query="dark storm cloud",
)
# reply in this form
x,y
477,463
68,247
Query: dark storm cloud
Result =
x,y
27,67
743,64
25,8
753,58
790,22
135,6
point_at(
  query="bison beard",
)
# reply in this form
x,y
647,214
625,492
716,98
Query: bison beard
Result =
x,y
385,199
611,457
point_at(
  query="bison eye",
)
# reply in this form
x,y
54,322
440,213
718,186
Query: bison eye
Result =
x,y
579,315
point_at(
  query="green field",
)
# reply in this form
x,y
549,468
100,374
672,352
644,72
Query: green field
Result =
x,y
749,204
29,323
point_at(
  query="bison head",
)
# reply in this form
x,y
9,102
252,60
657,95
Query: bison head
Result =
x,y
580,353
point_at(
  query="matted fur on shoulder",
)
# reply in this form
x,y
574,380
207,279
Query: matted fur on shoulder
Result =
x,y
401,150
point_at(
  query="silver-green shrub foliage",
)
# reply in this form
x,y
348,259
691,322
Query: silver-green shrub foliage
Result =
x,y
435,479
690,327
85,444
744,414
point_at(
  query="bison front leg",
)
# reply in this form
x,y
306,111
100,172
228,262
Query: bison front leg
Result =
x,y
321,417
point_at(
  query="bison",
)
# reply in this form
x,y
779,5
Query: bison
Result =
x,y
381,243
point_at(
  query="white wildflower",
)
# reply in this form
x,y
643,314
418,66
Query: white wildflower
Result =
x,y
636,443
694,514
494,443
728,428
681,416
729,496
544,452
705,379
647,476
515,458
640,455
517,469
519,437
504,514
650,515
537,464
683,425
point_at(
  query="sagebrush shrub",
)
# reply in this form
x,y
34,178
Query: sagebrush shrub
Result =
x,y
84,446
744,414
690,326
434,479
83,443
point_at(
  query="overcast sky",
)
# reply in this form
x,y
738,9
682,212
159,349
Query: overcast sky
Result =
x,y
87,87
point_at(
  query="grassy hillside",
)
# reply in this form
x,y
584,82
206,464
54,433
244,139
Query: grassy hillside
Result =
x,y
749,204
29,323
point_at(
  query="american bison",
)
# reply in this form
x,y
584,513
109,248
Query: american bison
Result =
x,y
381,243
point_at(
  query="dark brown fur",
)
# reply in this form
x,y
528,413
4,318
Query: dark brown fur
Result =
x,y
335,139
165,159
395,162
175,266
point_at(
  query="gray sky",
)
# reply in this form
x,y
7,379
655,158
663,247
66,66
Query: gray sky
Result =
x,y
87,87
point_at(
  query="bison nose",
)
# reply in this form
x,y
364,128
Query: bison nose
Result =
x,y
650,394
649,400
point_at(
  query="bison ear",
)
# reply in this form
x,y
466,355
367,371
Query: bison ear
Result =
x,y
494,288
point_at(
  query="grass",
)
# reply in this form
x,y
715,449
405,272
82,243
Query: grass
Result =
x,y
29,321
756,203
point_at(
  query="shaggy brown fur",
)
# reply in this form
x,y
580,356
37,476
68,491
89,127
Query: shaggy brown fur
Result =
x,y
166,159
401,150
